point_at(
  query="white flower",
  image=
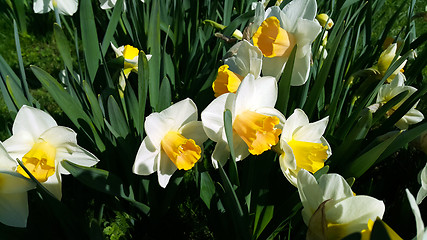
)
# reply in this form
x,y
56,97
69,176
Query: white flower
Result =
x,y
108,4
329,204
255,122
422,193
245,58
13,192
388,91
277,31
130,55
421,231
41,145
303,145
65,7
385,60
174,140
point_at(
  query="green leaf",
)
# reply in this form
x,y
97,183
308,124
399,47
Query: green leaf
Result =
x,y
263,215
89,38
379,231
63,47
97,115
102,181
116,117
285,83
143,79
228,126
368,159
69,105
353,236
154,63
207,188
112,25
165,92
235,208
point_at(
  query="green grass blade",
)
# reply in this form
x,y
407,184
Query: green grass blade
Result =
x,y
112,25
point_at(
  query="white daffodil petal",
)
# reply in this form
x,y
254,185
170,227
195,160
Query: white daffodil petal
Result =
x,y
275,11
255,93
147,158
181,112
156,126
79,156
247,59
306,32
310,194
348,212
13,182
165,170
311,132
213,118
107,4
306,9
14,209
58,136
54,185
422,193
6,162
33,121
418,220
67,7
41,6
273,66
325,143
335,187
245,94
220,154
19,144
194,130
287,159
300,70
296,120
118,51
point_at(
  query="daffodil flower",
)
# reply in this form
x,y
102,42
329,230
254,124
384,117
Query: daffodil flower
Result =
x,y
302,145
388,91
422,193
276,32
174,141
330,209
65,7
256,124
245,58
385,60
41,145
421,231
130,55
13,192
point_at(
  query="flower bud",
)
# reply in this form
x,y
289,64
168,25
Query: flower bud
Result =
x,y
325,21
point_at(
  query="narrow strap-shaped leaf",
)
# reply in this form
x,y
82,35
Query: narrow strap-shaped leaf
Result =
x,y
228,126
285,83
63,47
103,181
117,119
112,25
89,38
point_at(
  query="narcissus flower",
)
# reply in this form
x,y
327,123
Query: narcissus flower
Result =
x,y
245,58
385,60
13,192
108,4
276,32
388,91
65,7
302,145
41,145
174,141
130,55
330,209
255,122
